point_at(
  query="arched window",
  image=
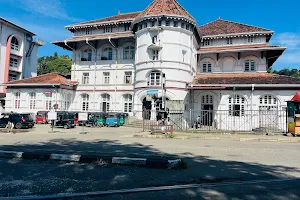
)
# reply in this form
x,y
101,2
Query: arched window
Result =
x,y
17,100
107,54
154,78
105,105
32,100
129,53
87,55
249,66
127,103
85,102
236,105
14,44
206,67
207,99
48,101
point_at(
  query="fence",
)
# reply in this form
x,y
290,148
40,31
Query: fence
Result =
x,y
263,120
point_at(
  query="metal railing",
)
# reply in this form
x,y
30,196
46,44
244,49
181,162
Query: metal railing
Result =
x,y
263,120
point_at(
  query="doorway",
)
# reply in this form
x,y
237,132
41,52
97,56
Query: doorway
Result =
x,y
207,114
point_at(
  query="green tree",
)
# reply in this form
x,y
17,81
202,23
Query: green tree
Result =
x,y
61,64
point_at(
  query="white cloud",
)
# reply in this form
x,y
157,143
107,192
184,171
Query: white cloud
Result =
x,y
291,40
290,58
48,8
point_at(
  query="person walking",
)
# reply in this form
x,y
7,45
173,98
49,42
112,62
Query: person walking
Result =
x,y
10,122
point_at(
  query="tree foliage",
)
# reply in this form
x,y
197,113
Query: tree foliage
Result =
x,y
61,64
286,72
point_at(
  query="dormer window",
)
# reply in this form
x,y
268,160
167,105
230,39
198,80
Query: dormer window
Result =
x,y
182,25
206,43
229,40
88,31
146,25
141,26
167,23
159,23
152,23
108,29
250,39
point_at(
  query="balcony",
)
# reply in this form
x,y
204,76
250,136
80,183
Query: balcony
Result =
x,y
155,46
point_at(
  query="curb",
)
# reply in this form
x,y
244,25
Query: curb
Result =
x,y
129,161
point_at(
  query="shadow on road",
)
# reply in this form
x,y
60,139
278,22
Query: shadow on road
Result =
x,y
20,177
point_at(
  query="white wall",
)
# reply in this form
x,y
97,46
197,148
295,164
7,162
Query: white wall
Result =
x,y
229,62
236,41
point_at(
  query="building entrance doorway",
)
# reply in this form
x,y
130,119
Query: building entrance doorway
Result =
x,y
207,114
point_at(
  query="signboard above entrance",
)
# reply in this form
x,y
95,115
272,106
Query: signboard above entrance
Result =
x,y
149,92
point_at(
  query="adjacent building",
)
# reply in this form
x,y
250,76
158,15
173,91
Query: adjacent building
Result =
x,y
18,54
222,65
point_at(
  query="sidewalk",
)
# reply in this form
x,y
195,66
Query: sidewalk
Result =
x,y
218,136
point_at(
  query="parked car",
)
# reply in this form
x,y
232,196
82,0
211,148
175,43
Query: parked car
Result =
x,y
20,120
42,117
65,120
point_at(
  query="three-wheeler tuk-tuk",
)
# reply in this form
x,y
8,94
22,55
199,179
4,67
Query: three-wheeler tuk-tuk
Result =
x,y
64,119
123,117
41,117
101,119
113,119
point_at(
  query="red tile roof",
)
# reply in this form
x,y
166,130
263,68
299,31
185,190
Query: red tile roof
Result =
x,y
244,78
119,17
167,7
51,78
237,47
223,27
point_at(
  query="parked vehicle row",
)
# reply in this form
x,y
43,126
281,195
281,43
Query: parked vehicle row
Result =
x,y
20,120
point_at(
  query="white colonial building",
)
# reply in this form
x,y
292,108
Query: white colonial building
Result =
x,y
119,60
18,54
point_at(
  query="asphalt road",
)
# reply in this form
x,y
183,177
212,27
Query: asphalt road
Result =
x,y
215,162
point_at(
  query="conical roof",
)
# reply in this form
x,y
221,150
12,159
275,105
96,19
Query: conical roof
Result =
x,y
165,7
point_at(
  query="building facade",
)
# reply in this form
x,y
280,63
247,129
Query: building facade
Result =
x,y
18,54
222,65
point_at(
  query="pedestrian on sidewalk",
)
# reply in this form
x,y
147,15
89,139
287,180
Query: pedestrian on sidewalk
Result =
x,y
10,125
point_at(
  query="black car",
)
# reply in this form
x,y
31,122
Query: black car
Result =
x,y
24,120
65,120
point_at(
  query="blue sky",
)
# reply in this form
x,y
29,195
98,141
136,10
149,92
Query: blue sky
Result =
x,y
47,18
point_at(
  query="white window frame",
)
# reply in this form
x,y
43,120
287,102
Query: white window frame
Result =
x,y
12,77
32,100
229,41
128,99
268,100
85,98
48,101
85,78
155,54
129,53
175,24
14,44
237,104
155,78
168,22
127,27
207,100
206,67
105,103
250,66
17,100
87,55
250,39
108,29
128,77
13,62
67,101
206,43
106,78
107,54
88,31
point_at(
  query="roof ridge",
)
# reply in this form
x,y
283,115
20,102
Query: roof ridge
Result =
x,y
178,4
34,77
